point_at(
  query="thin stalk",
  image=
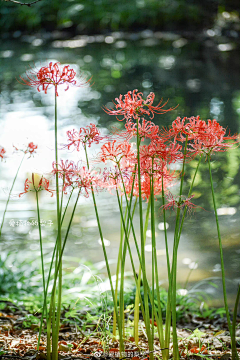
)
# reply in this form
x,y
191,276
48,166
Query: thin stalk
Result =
x,y
220,248
56,323
165,230
174,263
136,308
147,323
134,271
118,263
173,288
117,272
10,192
121,298
41,249
136,244
58,267
132,262
105,255
153,244
61,206
49,276
154,265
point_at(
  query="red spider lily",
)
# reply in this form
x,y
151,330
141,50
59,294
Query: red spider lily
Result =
x,y
85,179
111,179
88,135
145,182
179,202
43,185
66,171
52,74
134,106
30,149
146,129
186,127
116,151
2,152
211,139
158,149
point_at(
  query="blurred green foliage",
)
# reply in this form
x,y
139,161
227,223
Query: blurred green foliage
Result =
x,y
93,16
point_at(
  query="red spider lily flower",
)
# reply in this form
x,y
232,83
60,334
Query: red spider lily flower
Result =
x,y
133,106
66,172
146,129
52,74
212,139
179,202
85,179
43,185
31,149
145,183
186,127
111,179
116,151
158,149
88,135
2,152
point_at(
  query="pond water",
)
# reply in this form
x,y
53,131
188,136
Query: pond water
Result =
x,y
202,77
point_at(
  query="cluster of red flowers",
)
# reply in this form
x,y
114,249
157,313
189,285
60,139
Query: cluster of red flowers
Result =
x,y
42,185
164,148
54,75
88,135
30,149
75,176
132,106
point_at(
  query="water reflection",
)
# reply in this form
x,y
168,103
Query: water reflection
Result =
x,y
201,82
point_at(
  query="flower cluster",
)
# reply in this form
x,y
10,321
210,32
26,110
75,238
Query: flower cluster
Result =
x,y
75,176
42,185
88,135
52,75
132,106
202,137
164,147
30,149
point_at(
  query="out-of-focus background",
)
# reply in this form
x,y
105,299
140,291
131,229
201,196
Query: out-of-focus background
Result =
x,y
184,51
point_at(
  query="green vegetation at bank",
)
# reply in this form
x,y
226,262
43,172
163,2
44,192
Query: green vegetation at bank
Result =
x,y
94,16
84,291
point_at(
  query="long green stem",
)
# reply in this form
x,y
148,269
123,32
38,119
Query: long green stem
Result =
x,y
10,192
117,272
165,229
136,307
153,243
131,259
105,255
220,248
56,323
57,269
155,267
147,323
48,280
174,262
41,249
